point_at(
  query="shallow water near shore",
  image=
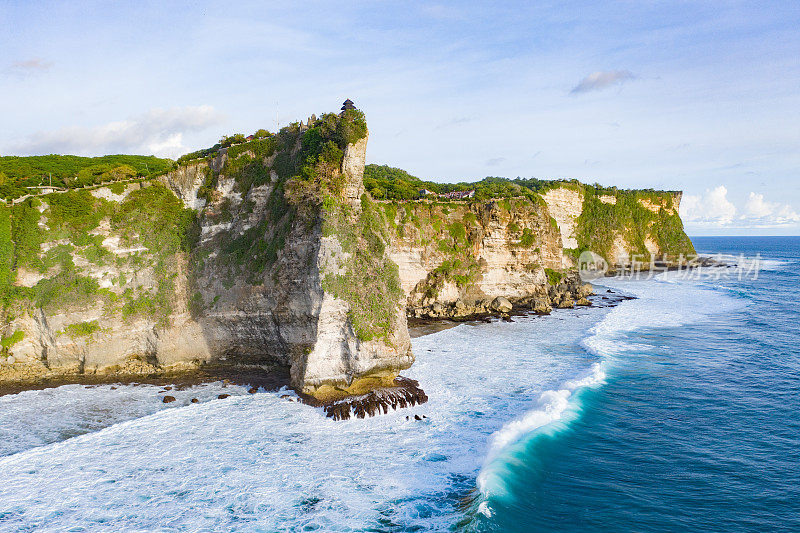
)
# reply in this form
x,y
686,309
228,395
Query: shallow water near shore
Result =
x,y
671,411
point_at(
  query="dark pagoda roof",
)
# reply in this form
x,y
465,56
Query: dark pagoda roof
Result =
x,y
348,104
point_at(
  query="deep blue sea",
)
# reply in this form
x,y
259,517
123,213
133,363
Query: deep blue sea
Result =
x,y
697,424
675,411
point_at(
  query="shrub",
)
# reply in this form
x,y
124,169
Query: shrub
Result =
x,y
82,329
553,276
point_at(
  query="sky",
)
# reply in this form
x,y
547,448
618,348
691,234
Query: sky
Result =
x,y
698,96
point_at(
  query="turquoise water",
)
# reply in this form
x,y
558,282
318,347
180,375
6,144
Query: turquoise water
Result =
x,y
697,426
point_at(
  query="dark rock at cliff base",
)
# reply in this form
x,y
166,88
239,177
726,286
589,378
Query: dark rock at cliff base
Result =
x,y
583,301
253,390
501,305
168,399
404,393
541,305
223,396
566,301
195,400
417,417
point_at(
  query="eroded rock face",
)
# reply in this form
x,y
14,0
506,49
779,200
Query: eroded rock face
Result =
x,y
642,245
565,206
455,259
249,293
353,166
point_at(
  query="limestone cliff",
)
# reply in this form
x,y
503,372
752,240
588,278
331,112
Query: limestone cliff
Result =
x,y
457,258
270,253
243,256
620,226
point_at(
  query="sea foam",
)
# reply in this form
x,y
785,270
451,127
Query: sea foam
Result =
x,y
668,300
262,462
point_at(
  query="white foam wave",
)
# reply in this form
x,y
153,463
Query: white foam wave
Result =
x,y
40,417
259,462
553,405
663,302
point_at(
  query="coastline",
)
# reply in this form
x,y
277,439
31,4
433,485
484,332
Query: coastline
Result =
x,y
274,378
270,379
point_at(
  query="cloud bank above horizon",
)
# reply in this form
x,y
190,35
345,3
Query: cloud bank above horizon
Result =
x,y
157,132
713,210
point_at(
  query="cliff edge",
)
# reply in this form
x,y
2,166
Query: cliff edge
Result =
x,y
265,253
269,253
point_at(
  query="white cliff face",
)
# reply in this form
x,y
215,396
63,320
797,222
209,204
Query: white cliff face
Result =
x,y
186,182
353,167
565,206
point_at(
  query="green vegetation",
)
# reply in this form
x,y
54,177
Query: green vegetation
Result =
x,y
554,277
225,142
54,236
6,255
11,340
601,223
303,166
82,329
257,248
367,279
528,238
150,217
597,227
385,182
71,171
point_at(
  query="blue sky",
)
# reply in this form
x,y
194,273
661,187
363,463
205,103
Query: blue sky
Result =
x,y
699,96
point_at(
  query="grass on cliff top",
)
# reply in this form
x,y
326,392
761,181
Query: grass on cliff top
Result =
x,y
71,171
389,183
369,281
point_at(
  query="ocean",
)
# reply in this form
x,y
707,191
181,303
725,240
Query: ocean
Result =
x,y
677,410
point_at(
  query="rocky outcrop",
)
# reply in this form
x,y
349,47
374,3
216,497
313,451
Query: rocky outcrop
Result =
x,y
456,259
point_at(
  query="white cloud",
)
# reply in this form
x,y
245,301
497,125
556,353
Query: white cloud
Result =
x,y
158,132
712,208
602,79
761,213
757,207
